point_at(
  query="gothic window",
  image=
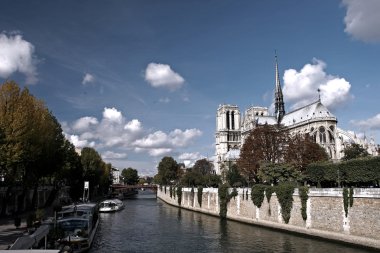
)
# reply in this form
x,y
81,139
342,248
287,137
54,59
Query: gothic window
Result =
x,y
332,128
228,119
232,120
322,134
331,137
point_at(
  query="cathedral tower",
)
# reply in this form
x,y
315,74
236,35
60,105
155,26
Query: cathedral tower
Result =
x,y
279,100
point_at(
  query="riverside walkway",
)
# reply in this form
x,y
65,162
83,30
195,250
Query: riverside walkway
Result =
x,y
9,233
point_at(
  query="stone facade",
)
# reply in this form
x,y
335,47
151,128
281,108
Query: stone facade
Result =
x,y
325,213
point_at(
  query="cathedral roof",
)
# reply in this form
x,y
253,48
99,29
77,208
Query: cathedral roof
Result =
x,y
312,111
262,120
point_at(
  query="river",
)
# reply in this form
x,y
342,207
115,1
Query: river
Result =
x,y
149,225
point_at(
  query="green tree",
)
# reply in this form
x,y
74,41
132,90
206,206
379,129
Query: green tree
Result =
x,y
72,171
93,168
277,173
234,178
130,176
168,171
354,151
203,167
32,140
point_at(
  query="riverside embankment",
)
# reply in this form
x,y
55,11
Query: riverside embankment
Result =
x,y
326,216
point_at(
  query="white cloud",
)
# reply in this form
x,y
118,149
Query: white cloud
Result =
x,y
88,78
190,156
154,140
159,151
362,19
113,132
300,87
161,75
189,159
113,155
78,143
176,138
84,123
16,55
112,114
371,123
133,125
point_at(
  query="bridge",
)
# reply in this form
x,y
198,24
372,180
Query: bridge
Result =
x,y
123,191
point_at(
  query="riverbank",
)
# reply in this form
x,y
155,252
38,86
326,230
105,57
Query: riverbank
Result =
x,y
325,213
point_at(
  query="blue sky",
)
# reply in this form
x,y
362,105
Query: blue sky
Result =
x,y
138,80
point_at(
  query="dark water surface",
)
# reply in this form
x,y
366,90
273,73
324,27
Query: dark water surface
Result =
x,y
149,225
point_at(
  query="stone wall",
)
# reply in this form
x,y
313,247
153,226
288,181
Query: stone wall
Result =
x,y
325,212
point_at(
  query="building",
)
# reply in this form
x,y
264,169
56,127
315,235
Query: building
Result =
x,y
314,119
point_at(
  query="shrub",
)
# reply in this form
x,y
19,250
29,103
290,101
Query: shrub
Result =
x,y
257,194
200,191
303,193
284,194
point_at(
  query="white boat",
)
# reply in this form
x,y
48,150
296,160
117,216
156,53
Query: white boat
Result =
x,y
111,205
78,225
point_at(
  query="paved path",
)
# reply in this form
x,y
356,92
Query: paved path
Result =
x,y
9,233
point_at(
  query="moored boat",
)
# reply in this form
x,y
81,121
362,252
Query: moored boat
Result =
x,y
78,225
111,205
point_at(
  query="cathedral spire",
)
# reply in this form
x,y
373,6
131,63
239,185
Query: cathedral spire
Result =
x,y
279,100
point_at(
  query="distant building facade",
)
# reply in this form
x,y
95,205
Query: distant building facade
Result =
x,y
314,119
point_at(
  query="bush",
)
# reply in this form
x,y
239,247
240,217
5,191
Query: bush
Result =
x,y
200,191
257,194
284,194
179,194
303,191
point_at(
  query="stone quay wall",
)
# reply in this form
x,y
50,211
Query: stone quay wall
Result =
x,y
325,212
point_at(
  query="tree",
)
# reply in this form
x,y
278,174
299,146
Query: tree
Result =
x,y
265,143
130,176
32,140
168,171
93,168
302,151
354,151
203,167
234,178
72,171
277,173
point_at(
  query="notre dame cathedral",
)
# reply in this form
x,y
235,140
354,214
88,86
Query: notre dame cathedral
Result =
x,y
232,127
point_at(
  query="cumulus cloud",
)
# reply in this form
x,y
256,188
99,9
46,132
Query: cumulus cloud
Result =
x,y
161,75
133,125
84,123
16,55
159,143
114,132
190,156
88,78
300,87
362,19
189,159
371,123
113,155
80,143
112,114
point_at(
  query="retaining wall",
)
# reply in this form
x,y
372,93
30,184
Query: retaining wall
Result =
x,y
325,212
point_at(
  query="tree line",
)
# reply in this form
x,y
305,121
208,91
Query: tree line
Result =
x,y
34,151
270,155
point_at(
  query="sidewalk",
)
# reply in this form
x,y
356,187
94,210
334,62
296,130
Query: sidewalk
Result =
x,y
9,233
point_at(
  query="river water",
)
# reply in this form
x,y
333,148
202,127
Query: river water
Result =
x,y
149,225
